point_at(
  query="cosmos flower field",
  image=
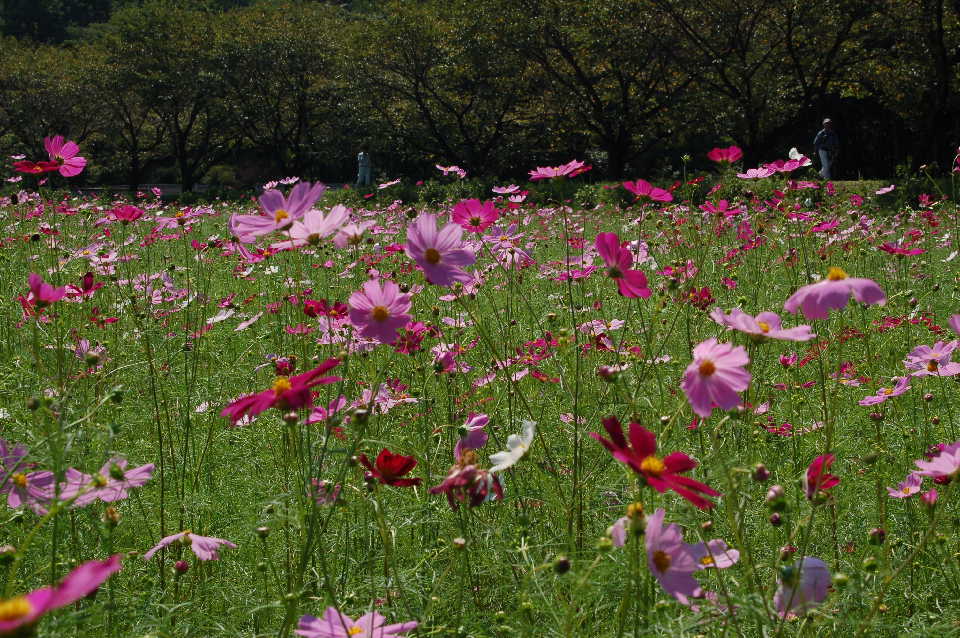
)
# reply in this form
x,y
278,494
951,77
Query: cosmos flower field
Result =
x,y
726,406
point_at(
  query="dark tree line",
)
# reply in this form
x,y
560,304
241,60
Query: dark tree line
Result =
x,y
234,91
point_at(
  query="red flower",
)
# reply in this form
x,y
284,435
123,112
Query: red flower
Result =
x,y
390,467
660,474
35,168
818,477
285,393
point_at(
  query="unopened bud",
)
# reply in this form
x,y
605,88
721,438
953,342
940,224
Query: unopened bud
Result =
x,y
877,536
561,565
181,567
760,473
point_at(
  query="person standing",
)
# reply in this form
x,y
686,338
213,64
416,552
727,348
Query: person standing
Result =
x,y
364,169
827,146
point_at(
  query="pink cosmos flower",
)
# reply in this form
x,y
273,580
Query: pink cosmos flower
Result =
x,y
313,227
802,586
643,188
713,554
901,385
944,465
351,234
472,434
954,323
440,253
765,324
670,560
818,477
906,488
631,283
474,215
19,613
933,361
505,190
335,624
715,376
833,292
112,483
33,490
126,213
278,211
204,547
756,173
727,155
456,170
379,310
64,154
570,170
885,189
286,393
43,294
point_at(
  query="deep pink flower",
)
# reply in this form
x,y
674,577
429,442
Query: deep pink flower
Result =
x,y
833,292
727,155
64,155
765,324
468,483
286,393
670,560
17,614
204,547
472,434
389,467
631,283
802,586
86,288
660,474
335,624
902,385
43,294
474,215
818,477
715,376
126,213
643,188
379,310
440,253
35,168
570,170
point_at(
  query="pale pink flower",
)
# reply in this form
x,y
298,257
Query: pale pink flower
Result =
x,y
765,324
906,488
933,361
351,234
945,464
670,560
441,253
902,384
379,310
833,292
205,547
313,227
802,586
335,624
717,373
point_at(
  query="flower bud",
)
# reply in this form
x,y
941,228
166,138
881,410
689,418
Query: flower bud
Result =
x,y
870,564
877,536
775,498
604,544
263,531
561,565
760,473
840,580
776,520
181,567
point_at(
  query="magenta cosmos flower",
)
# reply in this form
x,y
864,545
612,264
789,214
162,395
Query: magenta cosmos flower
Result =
x,y
640,454
286,393
715,376
765,324
335,624
642,188
43,294
727,155
818,477
474,215
833,292
278,211
631,283
64,154
907,487
670,559
901,385
570,169
17,614
802,586
204,547
440,253
379,310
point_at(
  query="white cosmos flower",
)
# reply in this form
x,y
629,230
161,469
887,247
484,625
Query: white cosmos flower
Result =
x,y
517,446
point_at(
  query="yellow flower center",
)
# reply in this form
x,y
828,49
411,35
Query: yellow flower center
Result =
x,y
635,510
886,391
380,313
281,385
353,631
707,561
836,274
707,368
661,560
280,215
19,479
15,608
652,465
432,255
905,490
764,326
180,214
99,480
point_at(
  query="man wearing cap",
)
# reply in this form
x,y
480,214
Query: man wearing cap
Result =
x,y
827,146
